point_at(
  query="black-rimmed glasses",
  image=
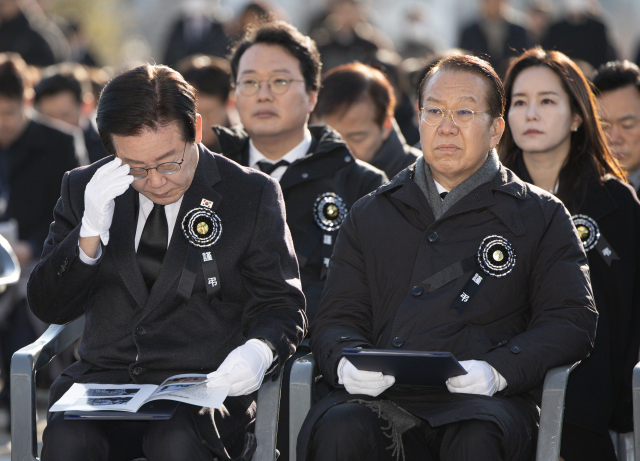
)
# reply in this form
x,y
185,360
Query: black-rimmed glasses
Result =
x,y
165,168
277,85
432,115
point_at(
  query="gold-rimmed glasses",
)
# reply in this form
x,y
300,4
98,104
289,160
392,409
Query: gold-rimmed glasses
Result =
x,y
433,115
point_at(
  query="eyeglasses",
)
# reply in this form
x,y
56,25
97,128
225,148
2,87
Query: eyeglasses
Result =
x,y
165,168
277,85
432,115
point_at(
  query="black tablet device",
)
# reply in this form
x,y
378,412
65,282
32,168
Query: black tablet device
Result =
x,y
408,367
154,410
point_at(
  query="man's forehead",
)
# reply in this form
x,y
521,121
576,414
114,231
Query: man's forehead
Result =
x,y
266,58
456,86
624,99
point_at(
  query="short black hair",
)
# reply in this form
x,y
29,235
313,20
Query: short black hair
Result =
x,y
474,65
209,75
347,84
616,74
147,97
59,83
283,34
12,76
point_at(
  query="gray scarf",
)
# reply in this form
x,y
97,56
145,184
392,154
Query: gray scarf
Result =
x,y
425,182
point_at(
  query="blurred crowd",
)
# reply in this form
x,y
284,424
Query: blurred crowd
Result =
x,y
50,82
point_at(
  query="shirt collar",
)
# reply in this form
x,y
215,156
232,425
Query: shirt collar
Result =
x,y
294,154
440,188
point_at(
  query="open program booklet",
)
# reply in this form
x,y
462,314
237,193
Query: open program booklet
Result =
x,y
191,389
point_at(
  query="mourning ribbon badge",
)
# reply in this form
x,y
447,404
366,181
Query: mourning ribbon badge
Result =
x,y
495,258
202,228
591,238
329,211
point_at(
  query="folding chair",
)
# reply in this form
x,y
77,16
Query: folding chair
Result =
x,y
304,371
28,360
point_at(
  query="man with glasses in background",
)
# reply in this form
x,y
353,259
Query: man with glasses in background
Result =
x,y
455,254
276,71
181,262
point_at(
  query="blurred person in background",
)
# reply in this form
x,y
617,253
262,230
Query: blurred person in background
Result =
x,y
495,36
211,77
33,159
358,102
581,34
64,94
346,35
390,64
538,20
618,85
554,140
79,48
196,31
18,34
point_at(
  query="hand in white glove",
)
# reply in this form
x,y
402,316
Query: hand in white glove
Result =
x,y
356,381
110,181
481,378
243,369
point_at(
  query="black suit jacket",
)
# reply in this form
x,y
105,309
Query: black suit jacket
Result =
x,y
132,335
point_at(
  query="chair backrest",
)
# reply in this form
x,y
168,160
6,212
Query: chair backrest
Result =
x,y
9,267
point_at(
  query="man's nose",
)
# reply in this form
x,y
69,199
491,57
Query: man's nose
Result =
x,y
155,179
447,125
264,91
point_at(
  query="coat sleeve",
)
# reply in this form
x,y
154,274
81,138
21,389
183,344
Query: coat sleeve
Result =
x,y
562,326
345,314
59,285
275,310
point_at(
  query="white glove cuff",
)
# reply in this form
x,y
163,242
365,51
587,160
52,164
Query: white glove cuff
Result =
x,y
87,231
341,365
265,350
501,383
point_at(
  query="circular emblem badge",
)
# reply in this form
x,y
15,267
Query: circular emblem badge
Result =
x,y
496,256
329,211
202,227
588,230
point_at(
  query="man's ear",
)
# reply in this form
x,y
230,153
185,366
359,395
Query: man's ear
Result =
x,y
497,128
198,129
313,99
387,127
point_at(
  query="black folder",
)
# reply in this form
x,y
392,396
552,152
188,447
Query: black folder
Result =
x,y
408,367
154,410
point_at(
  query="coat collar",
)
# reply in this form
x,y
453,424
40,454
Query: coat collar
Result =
x,y
122,242
327,154
487,195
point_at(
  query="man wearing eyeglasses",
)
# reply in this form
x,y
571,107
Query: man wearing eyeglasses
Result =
x,y
277,75
181,262
456,254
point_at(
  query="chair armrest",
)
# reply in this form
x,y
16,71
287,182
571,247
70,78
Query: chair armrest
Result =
x,y
300,398
636,412
24,365
266,427
552,412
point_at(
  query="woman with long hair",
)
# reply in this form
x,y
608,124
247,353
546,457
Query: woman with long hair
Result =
x,y
553,139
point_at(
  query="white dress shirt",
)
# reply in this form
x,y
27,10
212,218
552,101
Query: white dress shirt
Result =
x,y
294,154
146,205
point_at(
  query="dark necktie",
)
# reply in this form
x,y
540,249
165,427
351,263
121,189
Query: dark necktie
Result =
x,y
443,195
268,167
153,244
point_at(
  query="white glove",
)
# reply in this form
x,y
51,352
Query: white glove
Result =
x,y
243,369
110,181
356,381
481,378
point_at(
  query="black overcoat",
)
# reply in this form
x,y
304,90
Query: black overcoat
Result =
x,y
538,316
38,160
599,389
133,336
327,167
